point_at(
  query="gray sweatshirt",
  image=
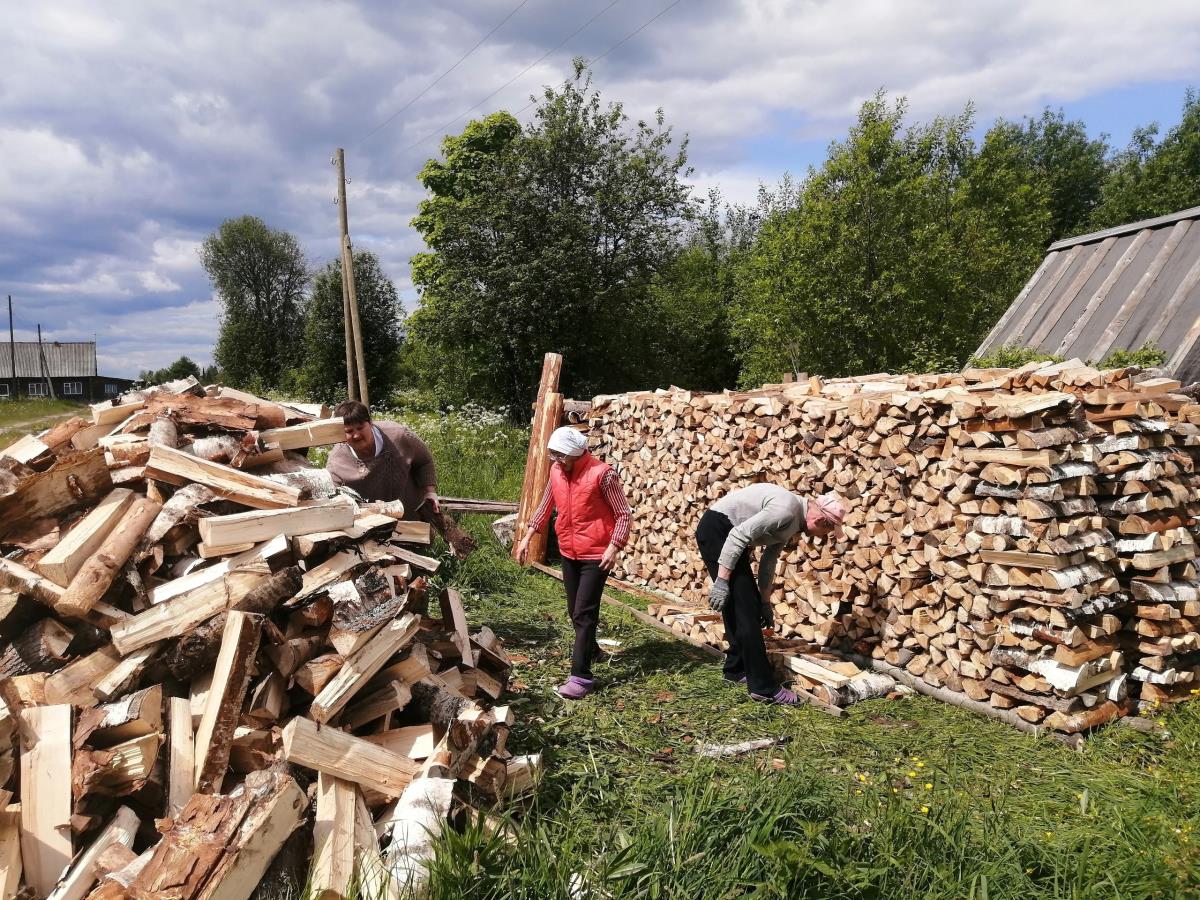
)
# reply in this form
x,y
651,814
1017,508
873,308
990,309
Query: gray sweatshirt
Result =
x,y
763,515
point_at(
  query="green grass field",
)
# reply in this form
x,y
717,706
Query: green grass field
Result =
x,y
902,799
21,417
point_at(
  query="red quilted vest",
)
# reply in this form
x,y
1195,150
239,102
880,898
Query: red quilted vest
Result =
x,y
585,521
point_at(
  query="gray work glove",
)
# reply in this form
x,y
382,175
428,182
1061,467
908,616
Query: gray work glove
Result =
x,y
718,595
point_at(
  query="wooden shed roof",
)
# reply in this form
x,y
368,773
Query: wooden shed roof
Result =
x,y
64,359
1120,288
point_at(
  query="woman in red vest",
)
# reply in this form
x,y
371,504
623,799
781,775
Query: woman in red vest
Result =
x,y
592,526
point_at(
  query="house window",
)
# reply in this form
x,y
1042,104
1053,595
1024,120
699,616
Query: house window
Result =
x,y
72,388
3,390
37,389
111,390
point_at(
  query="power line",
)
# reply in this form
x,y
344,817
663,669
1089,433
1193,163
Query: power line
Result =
x,y
433,83
630,36
442,128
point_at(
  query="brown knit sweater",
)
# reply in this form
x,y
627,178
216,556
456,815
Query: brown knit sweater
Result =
x,y
401,471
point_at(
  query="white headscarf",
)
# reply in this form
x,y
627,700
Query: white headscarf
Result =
x,y
567,441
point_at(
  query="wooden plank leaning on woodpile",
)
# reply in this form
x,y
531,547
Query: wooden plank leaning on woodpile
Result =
x,y
1021,537
157,697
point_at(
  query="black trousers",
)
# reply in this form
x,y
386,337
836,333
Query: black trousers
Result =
x,y
747,653
584,581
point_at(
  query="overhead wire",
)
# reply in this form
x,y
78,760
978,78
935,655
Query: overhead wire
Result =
x,y
441,129
435,81
628,37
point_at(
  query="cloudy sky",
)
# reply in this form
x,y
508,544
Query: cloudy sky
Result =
x,y
130,130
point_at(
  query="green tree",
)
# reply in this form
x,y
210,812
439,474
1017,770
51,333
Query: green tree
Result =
x,y
697,292
1153,178
323,372
181,368
544,239
903,249
260,276
1070,166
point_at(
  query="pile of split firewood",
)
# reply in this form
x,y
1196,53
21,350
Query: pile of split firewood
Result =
x,y
1024,538
200,633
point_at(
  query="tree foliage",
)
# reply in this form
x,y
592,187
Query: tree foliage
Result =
x,y
547,238
181,368
260,276
322,375
1153,178
1068,166
901,251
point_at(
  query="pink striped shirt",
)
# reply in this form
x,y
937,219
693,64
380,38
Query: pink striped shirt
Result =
x,y
610,490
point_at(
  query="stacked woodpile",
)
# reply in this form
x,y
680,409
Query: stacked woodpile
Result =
x,y
1023,537
201,638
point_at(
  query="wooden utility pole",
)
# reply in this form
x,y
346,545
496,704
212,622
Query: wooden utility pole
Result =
x,y
45,366
354,347
12,348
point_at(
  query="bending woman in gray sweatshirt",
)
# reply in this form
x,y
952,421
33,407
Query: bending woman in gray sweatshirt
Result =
x,y
767,516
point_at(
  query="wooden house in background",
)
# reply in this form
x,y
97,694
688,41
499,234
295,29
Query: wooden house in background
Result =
x,y
69,365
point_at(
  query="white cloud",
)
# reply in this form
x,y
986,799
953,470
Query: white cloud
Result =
x,y
155,283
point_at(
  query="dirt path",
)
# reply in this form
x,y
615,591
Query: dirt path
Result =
x,y
42,420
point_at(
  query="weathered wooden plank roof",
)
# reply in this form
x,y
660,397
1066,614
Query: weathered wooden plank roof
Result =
x,y
73,359
1114,289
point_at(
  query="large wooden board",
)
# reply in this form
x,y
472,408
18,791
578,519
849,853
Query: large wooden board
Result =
x,y
65,558
252,527
46,796
178,468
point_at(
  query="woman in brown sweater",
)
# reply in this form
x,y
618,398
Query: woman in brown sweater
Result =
x,y
383,461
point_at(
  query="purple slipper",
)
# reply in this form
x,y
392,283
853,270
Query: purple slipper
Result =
x,y
576,688
782,697
741,679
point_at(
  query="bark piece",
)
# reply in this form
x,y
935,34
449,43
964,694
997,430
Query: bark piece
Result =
x,y
72,482
39,649
231,675
101,568
83,874
362,666
61,563
220,845
134,716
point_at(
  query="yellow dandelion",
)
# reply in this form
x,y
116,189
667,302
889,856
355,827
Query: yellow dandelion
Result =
x,y
924,810
928,786
862,778
1049,834
858,793
895,790
920,765
912,774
